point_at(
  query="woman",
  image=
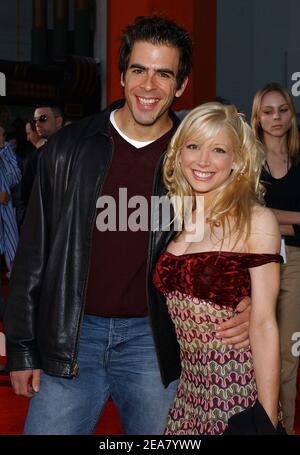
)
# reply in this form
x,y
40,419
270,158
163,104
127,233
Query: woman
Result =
x,y
274,123
215,159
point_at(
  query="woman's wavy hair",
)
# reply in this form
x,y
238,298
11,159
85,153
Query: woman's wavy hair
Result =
x,y
242,190
292,134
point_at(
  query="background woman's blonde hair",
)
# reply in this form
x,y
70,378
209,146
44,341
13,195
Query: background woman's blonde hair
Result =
x,y
292,135
242,190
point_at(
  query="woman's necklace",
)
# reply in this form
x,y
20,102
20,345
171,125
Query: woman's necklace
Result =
x,y
285,161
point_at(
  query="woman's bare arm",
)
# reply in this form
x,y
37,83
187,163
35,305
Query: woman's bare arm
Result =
x,y
264,336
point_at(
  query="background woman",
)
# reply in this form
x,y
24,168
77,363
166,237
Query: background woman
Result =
x,y
274,122
214,155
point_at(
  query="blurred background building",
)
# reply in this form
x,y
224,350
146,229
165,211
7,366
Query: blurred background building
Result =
x,y
66,51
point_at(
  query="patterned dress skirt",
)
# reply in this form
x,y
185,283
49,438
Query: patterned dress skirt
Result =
x,y
217,381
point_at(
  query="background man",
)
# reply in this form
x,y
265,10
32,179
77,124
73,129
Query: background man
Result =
x,y
48,120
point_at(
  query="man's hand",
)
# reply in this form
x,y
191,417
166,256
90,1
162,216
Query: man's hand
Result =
x,y
4,197
26,382
235,331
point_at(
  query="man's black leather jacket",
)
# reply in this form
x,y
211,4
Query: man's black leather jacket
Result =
x,y
51,268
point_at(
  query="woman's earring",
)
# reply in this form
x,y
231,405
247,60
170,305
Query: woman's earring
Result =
x,y
242,172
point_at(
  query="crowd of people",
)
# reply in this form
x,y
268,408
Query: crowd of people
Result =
x,y
45,121
18,166
177,326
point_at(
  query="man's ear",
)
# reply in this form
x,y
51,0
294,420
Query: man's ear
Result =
x,y
122,80
180,91
59,121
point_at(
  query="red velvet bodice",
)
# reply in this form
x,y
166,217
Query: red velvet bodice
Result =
x,y
220,277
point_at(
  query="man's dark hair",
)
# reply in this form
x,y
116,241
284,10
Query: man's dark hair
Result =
x,y
158,30
56,110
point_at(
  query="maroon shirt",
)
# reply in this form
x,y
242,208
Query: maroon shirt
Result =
x,y
117,277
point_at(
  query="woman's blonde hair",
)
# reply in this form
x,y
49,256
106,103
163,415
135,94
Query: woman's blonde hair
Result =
x,y
242,189
292,134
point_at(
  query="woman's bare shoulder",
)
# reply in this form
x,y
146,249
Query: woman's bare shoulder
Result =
x,y
264,234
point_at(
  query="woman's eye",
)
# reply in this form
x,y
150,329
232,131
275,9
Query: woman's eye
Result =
x,y
192,146
267,112
219,150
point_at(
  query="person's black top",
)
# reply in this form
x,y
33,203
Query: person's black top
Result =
x,y
284,194
29,173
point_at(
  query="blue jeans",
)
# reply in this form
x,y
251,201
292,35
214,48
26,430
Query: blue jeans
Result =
x,y
116,358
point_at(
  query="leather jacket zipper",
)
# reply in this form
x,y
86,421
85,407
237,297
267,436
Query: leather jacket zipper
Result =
x,y
75,370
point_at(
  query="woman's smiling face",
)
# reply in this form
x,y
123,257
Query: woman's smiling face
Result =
x,y
206,166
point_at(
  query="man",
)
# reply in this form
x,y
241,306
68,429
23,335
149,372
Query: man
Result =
x,y
48,120
80,307
29,168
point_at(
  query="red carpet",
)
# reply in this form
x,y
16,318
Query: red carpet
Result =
x,y
13,410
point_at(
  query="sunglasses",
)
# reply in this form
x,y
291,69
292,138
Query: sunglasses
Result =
x,y
42,118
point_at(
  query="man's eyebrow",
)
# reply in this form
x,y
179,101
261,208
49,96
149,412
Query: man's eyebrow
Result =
x,y
158,70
